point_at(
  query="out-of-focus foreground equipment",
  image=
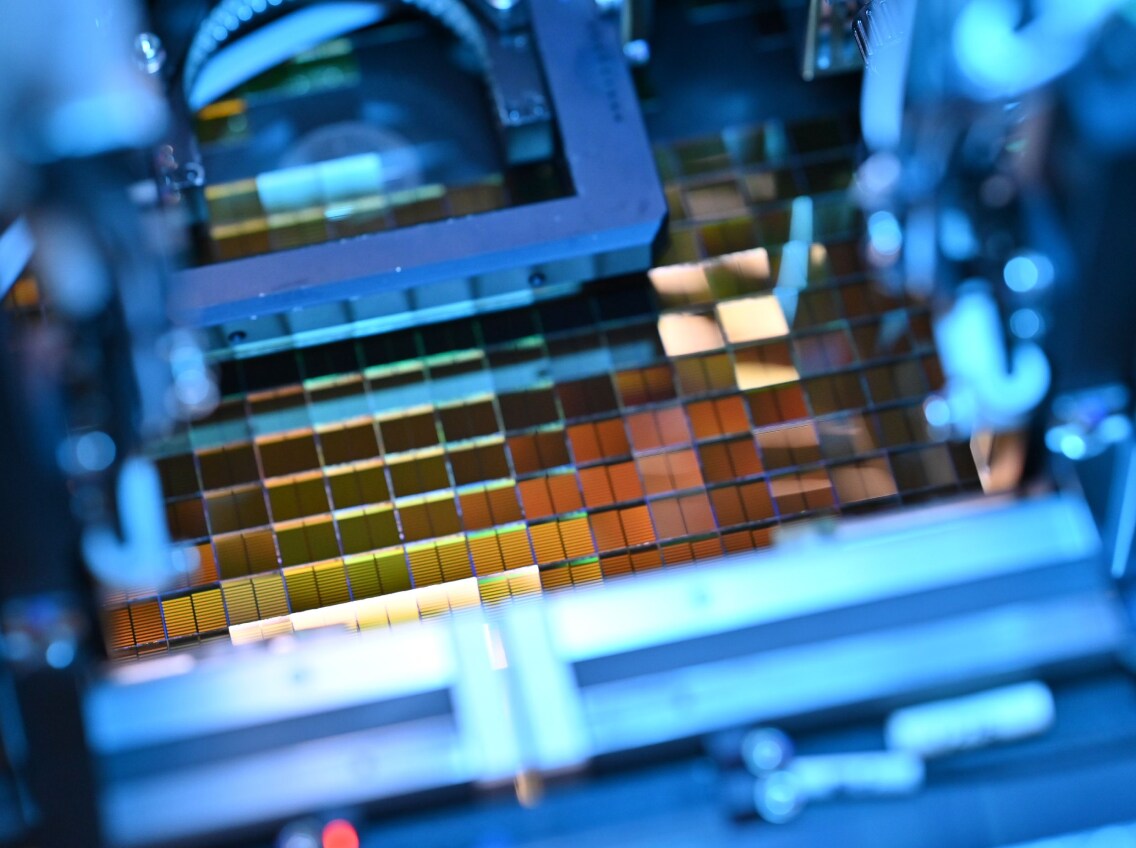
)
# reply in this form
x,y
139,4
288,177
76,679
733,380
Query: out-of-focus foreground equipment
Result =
x,y
361,357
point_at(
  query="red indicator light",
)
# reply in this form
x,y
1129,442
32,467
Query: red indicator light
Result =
x,y
340,834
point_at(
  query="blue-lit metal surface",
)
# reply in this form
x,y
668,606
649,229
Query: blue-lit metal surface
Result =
x,y
852,564
823,635
527,694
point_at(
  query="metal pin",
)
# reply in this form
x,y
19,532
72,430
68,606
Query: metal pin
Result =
x,y
765,749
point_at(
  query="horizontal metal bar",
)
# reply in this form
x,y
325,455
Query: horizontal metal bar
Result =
x,y
888,664
912,551
979,591
254,685
882,614
288,781
251,741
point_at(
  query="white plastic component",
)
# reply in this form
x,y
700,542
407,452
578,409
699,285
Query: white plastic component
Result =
x,y
1001,58
885,85
69,265
71,86
794,273
143,557
277,42
983,388
321,184
974,721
